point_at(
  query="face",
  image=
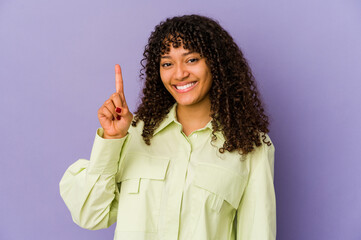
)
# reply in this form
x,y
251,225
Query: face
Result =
x,y
186,76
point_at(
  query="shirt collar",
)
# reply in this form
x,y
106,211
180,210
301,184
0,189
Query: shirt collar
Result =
x,y
172,117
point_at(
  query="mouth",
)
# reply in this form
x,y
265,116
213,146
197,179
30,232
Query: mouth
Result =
x,y
185,87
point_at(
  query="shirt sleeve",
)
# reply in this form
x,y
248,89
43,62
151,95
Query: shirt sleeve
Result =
x,y
89,188
256,214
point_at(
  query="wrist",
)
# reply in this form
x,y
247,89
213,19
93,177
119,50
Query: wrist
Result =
x,y
105,136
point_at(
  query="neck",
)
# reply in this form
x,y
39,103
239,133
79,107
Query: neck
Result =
x,y
194,117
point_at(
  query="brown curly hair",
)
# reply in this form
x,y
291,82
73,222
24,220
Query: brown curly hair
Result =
x,y
236,108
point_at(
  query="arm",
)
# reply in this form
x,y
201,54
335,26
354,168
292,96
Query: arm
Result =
x,y
256,214
89,188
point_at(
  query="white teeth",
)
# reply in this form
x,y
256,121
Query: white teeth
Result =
x,y
185,86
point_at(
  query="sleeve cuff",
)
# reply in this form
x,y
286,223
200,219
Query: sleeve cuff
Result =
x,y
105,154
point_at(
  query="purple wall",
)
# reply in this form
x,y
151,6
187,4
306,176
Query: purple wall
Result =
x,y
57,68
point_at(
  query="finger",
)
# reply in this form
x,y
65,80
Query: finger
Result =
x,y
118,79
124,102
110,106
117,101
119,84
107,113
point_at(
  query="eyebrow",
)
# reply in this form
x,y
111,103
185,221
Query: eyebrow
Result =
x,y
184,54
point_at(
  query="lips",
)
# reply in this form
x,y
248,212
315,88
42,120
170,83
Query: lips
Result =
x,y
185,87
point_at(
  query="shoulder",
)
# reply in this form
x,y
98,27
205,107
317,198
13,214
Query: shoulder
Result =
x,y
266,142
138,128
263,155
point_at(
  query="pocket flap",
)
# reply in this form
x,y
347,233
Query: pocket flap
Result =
x,y
144,166
131,186
221,181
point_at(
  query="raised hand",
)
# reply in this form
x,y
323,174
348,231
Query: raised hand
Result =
x,y
114,115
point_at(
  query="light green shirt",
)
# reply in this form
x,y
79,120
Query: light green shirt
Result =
x,y
179,187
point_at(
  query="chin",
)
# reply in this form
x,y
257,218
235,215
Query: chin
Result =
x,y
185,102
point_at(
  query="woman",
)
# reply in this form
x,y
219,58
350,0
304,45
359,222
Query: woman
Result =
x,y
195,162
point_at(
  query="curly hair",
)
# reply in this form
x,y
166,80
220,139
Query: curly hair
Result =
x,y
236,108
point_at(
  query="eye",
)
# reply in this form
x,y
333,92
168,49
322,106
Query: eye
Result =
x,y
166,64
193,60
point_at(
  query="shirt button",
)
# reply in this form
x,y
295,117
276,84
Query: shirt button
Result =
x,y
195,135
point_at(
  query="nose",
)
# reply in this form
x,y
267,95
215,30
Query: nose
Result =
x,y
181,72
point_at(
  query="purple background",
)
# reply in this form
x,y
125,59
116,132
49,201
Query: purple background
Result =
x,y
57,68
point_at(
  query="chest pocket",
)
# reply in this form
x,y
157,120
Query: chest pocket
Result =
x,y
222,184
141,188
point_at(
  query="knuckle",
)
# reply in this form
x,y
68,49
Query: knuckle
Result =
x,y
101,109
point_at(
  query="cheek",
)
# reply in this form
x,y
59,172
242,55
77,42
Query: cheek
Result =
x,y
164,76
165,81
208,78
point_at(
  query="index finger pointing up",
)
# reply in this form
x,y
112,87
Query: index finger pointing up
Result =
x,y
118,79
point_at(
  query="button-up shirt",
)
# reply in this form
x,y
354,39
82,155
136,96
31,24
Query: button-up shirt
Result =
x,y
179,187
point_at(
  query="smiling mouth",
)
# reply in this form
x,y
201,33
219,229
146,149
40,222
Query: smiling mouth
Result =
x,y
185,88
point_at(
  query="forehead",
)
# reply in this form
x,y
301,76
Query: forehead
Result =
x,y
177,43
181,51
